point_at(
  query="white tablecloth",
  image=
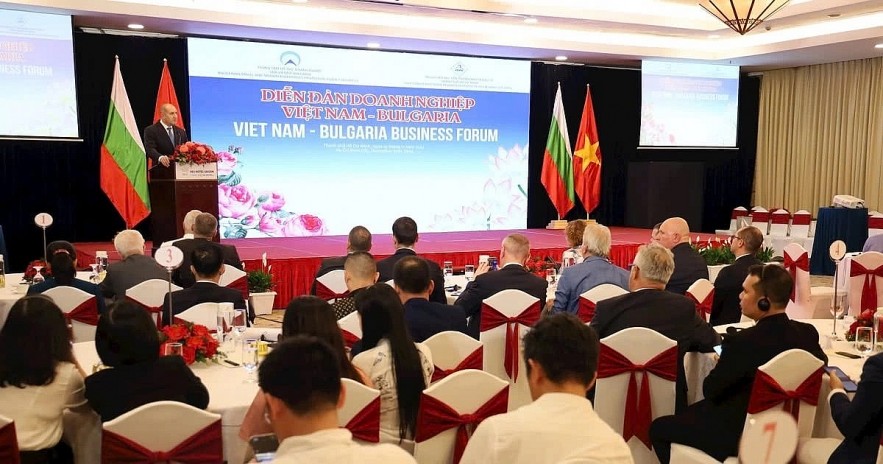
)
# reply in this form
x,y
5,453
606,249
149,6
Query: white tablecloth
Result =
x,y
229,395
10,294
460,281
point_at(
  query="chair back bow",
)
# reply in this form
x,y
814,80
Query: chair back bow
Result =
x,y
434,417
325,293
869,289
365,425
9,444
792,265
473,361
203,446
240,284
703,308
349,339
638,409
585,310
491,318
767,393
86,312
153,310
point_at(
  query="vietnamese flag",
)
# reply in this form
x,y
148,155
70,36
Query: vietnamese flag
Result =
x,y
557,174
166,94
587,158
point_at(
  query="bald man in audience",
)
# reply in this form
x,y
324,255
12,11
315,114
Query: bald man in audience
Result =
x,y
511,275
187,225
134,267
674,234
359,272
359,239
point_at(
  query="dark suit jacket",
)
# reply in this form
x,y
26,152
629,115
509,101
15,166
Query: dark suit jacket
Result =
x,y
128,273
689,267
426,318
87,287
183,277
113,392
157,142
328,265
490,283
386,265
202,292
673,316
727,286
860,421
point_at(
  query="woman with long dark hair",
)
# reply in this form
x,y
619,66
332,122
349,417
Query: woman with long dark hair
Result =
x,y
39,378
64,273
400,368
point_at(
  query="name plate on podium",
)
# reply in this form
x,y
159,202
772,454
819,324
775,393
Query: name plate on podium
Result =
x,y
190,171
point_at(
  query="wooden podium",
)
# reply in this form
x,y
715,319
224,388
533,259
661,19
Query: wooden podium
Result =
x,y
174,191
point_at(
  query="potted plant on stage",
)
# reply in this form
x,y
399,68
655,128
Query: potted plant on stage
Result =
x,y
195,161
260,288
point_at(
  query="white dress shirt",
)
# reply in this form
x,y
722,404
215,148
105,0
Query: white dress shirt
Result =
x,y
555,428
336,446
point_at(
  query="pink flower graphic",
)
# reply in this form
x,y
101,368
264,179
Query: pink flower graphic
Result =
x,y
303,225
234,202
271,225
226,163
275,201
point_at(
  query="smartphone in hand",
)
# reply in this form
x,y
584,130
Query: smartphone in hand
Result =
x,y
264,447
848,384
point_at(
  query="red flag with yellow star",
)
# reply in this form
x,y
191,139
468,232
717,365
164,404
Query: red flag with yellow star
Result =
x,y
587,158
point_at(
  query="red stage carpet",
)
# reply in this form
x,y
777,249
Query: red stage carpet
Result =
x,y
295,260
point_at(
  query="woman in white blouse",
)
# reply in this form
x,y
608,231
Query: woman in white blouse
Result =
x,y
397,366
39,378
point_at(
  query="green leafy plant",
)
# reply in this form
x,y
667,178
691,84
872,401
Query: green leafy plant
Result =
x,y
261,280
765,254
714,252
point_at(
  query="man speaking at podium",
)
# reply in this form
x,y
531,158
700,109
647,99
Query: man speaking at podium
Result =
x,y
160,139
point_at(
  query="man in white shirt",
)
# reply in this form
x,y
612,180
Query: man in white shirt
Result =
x,y
560,425
301,381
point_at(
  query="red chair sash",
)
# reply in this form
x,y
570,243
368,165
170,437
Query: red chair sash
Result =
x,y
869,289
737,213
473,361
240,284
703,308
760,216
204,446
491,318
875,222
86,312
767,393
9,444
325,293
585,310
638,409
792,265
349,339
781,218
434,417
801,220
365,425
150,309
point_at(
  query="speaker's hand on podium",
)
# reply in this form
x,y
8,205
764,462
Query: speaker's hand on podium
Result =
x,y
164,160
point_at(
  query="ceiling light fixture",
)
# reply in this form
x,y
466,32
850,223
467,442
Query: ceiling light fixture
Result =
x,y
136,27
742,15
560,58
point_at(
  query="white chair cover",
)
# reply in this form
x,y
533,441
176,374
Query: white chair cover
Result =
x,y
589,299
352,324
800,224
464,392
809,302
450,348
638,345
701,292
358,397
869,260
68,299
204,314
232,275
151,293
162,425
510,303
779,222
334,283
760,218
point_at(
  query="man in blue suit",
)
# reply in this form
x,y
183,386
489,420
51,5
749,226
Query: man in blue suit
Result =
x,y
424,318
860,420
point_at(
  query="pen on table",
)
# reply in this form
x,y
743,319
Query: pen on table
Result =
x,y
231,362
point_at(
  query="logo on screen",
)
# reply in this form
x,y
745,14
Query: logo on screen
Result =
x,y
289,58
458,68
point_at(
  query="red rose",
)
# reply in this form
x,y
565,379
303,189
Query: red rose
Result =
x,y
195,342
200,330
211,349
189,354
310,222
867,314
184,149
200,150
175,332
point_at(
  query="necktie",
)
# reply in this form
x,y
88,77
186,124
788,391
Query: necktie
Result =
x,y
171,135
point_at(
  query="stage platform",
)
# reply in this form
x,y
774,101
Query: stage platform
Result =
x,y
296,259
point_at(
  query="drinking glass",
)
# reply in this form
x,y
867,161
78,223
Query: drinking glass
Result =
x,y
448,269
174,349
250,359
551,276
864,340
239,317
469,272
94,275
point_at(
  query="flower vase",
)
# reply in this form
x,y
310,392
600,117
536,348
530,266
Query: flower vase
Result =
x,y
262,302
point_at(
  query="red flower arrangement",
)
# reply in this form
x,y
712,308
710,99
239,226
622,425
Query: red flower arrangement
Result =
x,y
198,343
195,153
865,319
538,265
30,271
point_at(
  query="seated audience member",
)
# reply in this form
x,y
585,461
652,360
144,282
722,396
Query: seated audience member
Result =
x,y
187,225
397,366
714,425
301,381
514,252
205,226
127,341
873,243
561,425
305,315
134,267
360,271
654,232
574,233
207,265
424,318
596,269
728,284
64,273
674,234
404,238
62,246
358,240
39,378
649,305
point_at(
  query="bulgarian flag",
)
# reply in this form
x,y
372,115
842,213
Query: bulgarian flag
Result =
x,y
587,158
123,159
557,175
